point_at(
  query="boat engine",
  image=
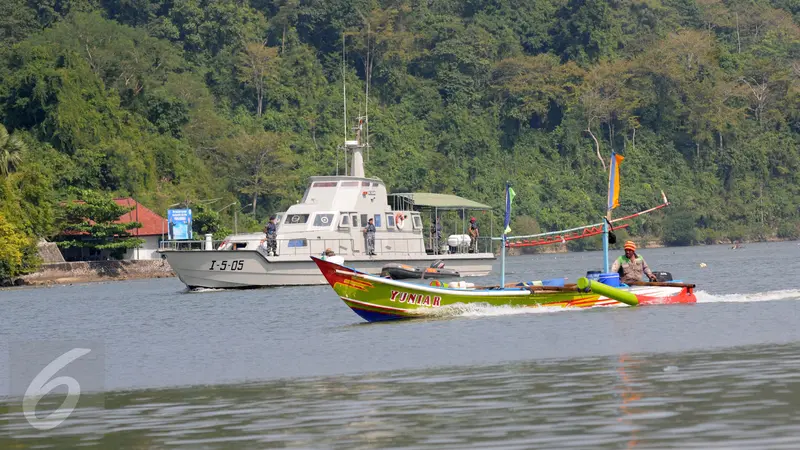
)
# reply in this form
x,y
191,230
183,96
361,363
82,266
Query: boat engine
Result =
x,y
663,276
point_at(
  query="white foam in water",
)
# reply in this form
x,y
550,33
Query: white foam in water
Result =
x,y
202,289
486,310
788,294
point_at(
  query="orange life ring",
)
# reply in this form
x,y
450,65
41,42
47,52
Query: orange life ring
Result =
x,y
399,221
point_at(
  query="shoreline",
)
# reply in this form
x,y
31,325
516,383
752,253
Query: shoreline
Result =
x,y
96,271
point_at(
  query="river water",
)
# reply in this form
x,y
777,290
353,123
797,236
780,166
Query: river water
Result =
x,y
294,367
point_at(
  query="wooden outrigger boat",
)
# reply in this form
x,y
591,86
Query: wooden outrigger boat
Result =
x,y
378,299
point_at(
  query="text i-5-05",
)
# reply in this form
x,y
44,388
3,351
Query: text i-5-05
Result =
x,y
237,264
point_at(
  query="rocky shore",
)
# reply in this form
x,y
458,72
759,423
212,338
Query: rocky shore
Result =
x,y
90,271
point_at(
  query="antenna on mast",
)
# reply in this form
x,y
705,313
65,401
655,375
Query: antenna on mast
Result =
x,y
344,87
366,100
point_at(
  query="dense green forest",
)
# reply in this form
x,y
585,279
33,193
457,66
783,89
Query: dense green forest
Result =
x,y
209,103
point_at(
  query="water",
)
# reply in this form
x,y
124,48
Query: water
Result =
x,y
293,367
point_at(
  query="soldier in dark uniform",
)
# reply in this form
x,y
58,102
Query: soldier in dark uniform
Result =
x,y
437,235
272,236
473,234
369,232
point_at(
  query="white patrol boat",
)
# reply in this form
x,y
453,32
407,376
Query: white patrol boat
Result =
x,y
332,215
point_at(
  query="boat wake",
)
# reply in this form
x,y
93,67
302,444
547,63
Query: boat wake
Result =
x,y
487,310
787,294
201,289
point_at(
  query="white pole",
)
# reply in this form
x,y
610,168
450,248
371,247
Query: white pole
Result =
x,y
344,91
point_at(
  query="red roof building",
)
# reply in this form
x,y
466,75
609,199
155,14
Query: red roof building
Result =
x,y
152,223
152,229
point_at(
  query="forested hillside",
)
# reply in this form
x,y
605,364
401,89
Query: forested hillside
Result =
x,y
211,102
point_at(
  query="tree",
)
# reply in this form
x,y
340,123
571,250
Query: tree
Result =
x,y
97,216
14,247
604,98
530,85
11,150
262,164
207,221
258,66
680,228
17,21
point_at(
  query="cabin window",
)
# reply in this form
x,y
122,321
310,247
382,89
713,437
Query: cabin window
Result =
x,y
239,245
349,183
345,222
364,218
324,184
377,220
417,222
298,243
355,220
323,220
389,220
296,218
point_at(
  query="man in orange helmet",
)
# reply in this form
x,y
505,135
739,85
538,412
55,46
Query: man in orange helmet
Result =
x,y
631,266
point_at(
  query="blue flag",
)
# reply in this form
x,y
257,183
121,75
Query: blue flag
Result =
x,y
510,194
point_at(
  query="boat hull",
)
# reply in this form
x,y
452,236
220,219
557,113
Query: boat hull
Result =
x,y
379,299
238,269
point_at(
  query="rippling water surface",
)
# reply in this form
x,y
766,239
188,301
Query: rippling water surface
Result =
x,y
293,367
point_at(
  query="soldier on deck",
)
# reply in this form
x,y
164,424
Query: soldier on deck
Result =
x,y
369,232
271,231
474,233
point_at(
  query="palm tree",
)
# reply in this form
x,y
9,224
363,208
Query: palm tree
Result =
x,y
11,148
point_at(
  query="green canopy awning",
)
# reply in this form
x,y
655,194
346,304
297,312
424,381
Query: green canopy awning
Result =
x,y
440,201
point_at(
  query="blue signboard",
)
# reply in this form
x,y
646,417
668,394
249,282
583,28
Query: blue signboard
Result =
x,y
180,223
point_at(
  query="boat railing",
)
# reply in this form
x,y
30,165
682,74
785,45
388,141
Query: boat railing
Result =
x,y
188,245
442,248
342,247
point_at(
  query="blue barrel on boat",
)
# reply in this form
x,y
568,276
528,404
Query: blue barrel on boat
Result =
x,y
593,275
609,279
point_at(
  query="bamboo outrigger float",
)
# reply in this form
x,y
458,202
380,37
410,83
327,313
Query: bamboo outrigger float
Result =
x,y
377,299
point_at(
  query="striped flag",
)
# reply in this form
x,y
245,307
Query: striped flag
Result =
x,y
613,181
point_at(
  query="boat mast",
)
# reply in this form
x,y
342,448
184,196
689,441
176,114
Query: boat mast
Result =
x,y
356,146
344,100
611,202
503,246
357,163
